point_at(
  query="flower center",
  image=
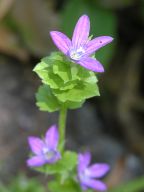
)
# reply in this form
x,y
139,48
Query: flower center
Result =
x,y
84,175
76,54
48,153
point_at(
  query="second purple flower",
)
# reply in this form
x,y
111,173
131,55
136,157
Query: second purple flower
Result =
x,y
89,175
44,150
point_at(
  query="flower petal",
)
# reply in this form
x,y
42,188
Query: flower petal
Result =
x,y
52,137
84,187
95,184
36,145
91,64
62,42
83,161
98,170
97,43
36,161
81,31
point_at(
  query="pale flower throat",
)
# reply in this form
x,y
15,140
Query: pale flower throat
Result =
x,y
85,175
48,154
76,54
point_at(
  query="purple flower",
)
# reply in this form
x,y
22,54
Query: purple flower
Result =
x,y
88,175
45,151
81,47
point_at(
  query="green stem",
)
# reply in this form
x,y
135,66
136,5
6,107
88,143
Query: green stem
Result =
x,y
62,126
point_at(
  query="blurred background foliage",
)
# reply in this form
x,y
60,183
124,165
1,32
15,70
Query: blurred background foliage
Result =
x,y
23,184
111,126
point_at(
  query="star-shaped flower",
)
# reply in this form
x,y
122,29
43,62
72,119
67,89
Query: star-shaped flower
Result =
x,y
88,175
81,47
44,150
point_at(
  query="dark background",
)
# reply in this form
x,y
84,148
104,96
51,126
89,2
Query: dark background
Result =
x,y
110,126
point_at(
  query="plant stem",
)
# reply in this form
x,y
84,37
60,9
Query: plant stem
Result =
x,y
62,126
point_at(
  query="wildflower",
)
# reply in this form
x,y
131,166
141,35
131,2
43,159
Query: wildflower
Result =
x,y
88,175
45,151
81,47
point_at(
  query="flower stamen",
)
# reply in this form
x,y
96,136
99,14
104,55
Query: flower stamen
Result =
x,y
76,54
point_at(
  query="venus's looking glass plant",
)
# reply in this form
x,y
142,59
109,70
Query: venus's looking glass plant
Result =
x,y
68,80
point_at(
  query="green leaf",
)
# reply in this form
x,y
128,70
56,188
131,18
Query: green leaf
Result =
x,y
48,61
40,66
46,101
79,93
67,163
68,186
70,83
86,75
62,73
74,70
54,81
55,72
49,78
63,70
69,160
132,186
74,105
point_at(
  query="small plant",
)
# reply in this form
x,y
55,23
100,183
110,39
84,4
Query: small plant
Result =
x,y
68,79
